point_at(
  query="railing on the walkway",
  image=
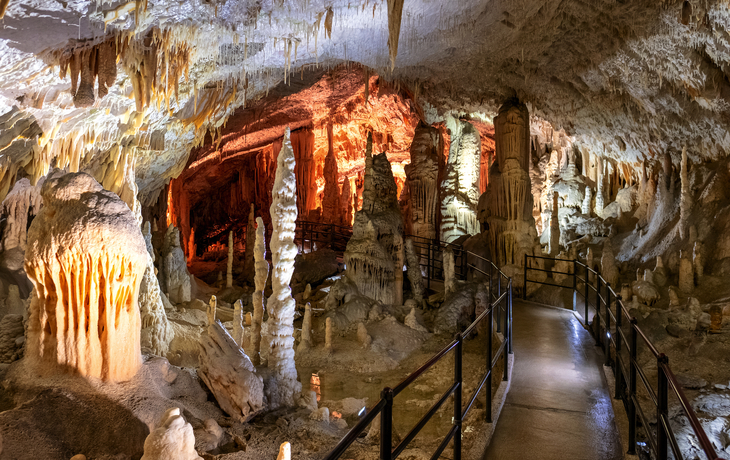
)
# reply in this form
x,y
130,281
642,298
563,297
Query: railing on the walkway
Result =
x,y
501,301
311,236
611,314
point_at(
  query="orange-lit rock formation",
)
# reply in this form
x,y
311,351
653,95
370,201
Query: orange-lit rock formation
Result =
x,y
86,257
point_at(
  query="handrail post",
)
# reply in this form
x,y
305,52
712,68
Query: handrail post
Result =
x,y
386,425
632,387
491,284
457,396
607,352
597,318
585,297
524,281
509,316
662,406
575,284
618,370
490,337
507,301
499,306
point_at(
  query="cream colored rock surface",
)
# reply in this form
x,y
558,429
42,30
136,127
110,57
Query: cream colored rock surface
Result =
x,y
229,374
86,261
173,439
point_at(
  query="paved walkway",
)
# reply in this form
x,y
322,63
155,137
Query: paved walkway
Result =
x,y
558,406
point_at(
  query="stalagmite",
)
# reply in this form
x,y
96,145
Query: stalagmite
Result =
x,y
346,203
599,187
238,323
86,261
331,198
262,274
449,271
686,273
698,261
174,275
328,335
283,386
229,273
511,226
362,335
422,181
173,439
250,245
414,271
284,452
685,197
587,202
460,186
609,271
554,228
156,330
306,342
212,307
375,254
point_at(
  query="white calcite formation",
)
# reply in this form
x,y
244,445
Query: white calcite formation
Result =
x,y
174,276
609,270
422,181
511,225
283,385
414,271
586,208
262,274
306,342
230,374
173,439
156,330
449,271
238,323
554,247
212,308
460,187
375,254
86,261
250,269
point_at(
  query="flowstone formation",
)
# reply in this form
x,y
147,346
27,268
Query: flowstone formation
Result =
x,y
422,182
375,254
509,220
156,331
86,261
283,386
460,187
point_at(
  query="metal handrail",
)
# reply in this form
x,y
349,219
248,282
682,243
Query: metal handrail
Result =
x,y
666,379
384,407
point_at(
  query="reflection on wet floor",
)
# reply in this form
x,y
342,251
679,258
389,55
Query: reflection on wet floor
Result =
x,y
558,406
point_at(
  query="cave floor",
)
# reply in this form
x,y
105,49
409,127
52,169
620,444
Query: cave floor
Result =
x,y
558,404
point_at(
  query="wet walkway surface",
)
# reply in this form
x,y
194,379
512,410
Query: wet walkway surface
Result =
x,y
558,406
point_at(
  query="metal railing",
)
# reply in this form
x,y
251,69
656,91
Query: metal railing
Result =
x,y
501,300
611,315
317,235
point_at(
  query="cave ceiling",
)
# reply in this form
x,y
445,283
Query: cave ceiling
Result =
x,y
630,80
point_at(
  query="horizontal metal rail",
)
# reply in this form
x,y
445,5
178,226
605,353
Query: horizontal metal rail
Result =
x,y
614,340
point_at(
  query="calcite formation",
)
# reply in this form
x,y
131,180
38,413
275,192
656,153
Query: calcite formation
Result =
x,y
11,338
422,182
172,439
460,186
230,375
86,261
156,330
229,265
306,342
414,271
510,223
262,274
283,385
375,254
174,276
238,329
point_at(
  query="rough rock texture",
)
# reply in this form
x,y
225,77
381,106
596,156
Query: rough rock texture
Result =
x,y
86,262
230,375
414,271
262,274
511,225
11,338
173,439
422,182
174,276
460,187
283,386
156,332
375,256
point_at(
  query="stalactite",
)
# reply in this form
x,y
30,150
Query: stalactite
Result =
x,y
395,12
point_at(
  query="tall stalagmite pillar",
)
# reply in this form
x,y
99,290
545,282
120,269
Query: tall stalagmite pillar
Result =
x,y
510,223
422,181
283,386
